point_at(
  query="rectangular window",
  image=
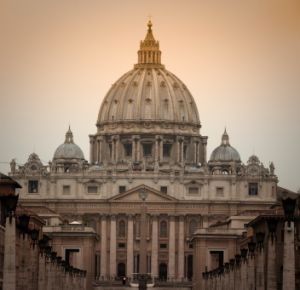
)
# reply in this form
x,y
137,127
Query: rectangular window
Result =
x,y
164,189
167,150
128,149
163,246
66,189
253,189
122,189
92,189
33,186
121,245
193,190
220,191
147,149
217,259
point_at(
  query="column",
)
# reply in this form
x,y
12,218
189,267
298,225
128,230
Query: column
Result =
x,y
42,272
91,149
171,270
138,149
157,138
178,146
195,152
251,272
154,249
271,264
117,139
130,247
113,247
181,249
9,267
113,150
103,265
260,273
288,281
204,144
161,143
100,150
133,149
181,151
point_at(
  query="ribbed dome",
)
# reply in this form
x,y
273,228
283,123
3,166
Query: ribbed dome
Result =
x,y
225,152
68,150
149,92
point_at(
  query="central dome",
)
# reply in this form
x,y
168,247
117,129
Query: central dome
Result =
x,y
149,93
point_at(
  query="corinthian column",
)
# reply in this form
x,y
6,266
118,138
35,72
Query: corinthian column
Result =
x,y
113,247
181,249
103,248
154,250
172,248
130,246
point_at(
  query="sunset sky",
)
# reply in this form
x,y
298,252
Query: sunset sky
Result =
x,y
240,60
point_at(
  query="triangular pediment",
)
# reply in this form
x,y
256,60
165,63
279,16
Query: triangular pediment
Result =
x,y
134,195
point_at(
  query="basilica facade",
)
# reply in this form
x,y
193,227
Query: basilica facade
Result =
x,y
148,186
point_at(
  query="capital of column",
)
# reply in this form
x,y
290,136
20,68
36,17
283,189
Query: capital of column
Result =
x,y
179,138
115,137
136,137
158,138
113,217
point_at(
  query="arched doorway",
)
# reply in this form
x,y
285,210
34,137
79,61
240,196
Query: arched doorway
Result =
x,y
163,271
121,270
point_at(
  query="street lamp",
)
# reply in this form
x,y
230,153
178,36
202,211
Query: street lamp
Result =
x,y
244,252
289,205
23,223
251,247
143,277
260,237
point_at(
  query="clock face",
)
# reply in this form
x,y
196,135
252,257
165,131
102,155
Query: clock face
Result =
x,y
253,170
33,167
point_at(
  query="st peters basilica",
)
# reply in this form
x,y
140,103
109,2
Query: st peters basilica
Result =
x,y
147,199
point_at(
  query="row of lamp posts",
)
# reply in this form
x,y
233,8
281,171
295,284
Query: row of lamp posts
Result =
x,y
247,270
47,270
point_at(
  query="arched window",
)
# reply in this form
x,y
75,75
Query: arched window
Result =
x,y
122,229
163,229
193,226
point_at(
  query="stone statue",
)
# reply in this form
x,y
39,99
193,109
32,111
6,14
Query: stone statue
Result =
x,y
13,166
272,168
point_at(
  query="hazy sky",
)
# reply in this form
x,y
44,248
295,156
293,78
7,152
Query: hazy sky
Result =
x,y
240,60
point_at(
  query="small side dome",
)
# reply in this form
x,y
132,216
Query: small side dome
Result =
x,y
225,152
68,150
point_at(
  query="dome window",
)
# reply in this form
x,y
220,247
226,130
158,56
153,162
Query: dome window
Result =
x,y
167,150
147,149
128,149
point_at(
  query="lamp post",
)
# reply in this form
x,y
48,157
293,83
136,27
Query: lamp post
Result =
x,y
142,277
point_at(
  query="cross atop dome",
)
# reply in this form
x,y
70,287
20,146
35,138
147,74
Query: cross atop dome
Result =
x,y
69,137
149,52
225,138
